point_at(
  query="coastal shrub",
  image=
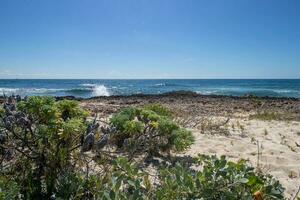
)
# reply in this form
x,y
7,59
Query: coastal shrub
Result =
x,y
39,137
8,189
123,181
159,109
215,178
126,181
218,179
149,129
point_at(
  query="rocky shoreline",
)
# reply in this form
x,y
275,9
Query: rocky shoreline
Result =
x,y
194,104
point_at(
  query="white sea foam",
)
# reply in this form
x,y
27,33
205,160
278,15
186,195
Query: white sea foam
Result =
x,y
286,91
28,90
100,90
160,84
97,90
8,90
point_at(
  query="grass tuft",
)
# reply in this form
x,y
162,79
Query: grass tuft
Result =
x,y
270,116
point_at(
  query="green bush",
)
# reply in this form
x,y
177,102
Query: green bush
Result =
x,y
123,181
8,189
149,129
159,109
42,134
218,179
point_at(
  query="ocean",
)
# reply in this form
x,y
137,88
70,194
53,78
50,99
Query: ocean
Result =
x,y
90,87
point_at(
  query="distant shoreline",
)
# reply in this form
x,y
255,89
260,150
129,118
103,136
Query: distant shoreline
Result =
x,y
179,94
149,79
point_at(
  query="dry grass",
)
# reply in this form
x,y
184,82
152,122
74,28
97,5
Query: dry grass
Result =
x,y
269,116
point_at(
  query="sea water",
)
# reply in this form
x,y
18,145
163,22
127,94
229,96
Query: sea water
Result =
x,y
90,87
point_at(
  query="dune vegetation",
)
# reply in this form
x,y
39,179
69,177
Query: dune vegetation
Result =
x,y
55,150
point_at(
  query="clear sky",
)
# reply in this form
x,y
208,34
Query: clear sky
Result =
x,y
149,39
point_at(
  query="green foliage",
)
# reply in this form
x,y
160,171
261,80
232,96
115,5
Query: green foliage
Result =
x,y
69,186
159,109
119,120
72,127
126,182
133,127
41,109
182,139
2,111
149,129
43,136
123,181
70,109
8,189
218,179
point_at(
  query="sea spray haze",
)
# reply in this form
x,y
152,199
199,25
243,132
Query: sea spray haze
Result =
x,y
92,87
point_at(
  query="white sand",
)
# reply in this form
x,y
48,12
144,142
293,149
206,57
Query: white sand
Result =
x,y
279,143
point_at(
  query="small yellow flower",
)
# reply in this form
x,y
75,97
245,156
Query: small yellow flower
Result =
x,y
154,124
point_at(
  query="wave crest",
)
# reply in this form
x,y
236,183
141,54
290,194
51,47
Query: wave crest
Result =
x,y
28,90
100,90
96,90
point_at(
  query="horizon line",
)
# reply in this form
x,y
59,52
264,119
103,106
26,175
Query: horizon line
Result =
x,y
149,78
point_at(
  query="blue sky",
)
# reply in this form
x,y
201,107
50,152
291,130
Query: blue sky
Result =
x,y
149,39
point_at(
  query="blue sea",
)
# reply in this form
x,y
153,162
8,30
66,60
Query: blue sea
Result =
x,y
89,87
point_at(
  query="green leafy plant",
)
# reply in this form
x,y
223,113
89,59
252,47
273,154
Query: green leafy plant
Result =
x,y
215,179
41,135
218,179
159,109
126,181
123,181
9,189
149,129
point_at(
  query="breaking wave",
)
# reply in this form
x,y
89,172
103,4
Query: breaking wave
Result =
x,y
28,90
95,90
246,91
100,90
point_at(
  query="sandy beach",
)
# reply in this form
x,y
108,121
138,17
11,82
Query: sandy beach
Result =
x,y
265,131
